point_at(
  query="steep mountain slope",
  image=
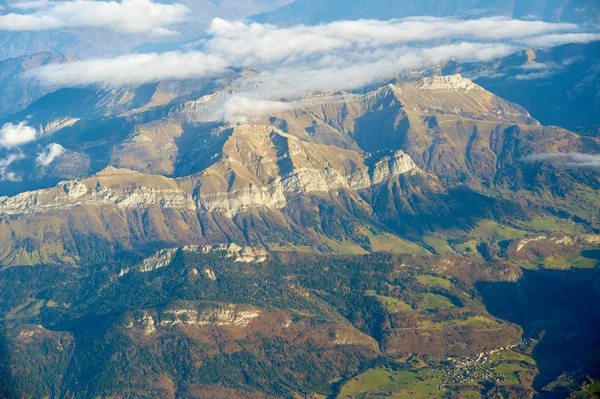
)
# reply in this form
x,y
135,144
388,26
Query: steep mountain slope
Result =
x,y
316,11
559,86
336,168
448,125
260,167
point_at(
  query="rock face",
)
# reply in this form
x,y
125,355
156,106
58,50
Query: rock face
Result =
x,y
537,248
161,259
112,187
260,164
217,315
57,124
448,83
165,257
228,315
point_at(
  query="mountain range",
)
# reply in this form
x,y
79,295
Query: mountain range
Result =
x,y
432,235
390,161
90,42
559,85
300,254
314,11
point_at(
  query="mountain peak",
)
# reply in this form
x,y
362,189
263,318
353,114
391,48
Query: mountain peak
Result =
x,y
447,83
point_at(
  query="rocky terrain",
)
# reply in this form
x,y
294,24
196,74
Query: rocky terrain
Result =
x,y
301,252
420,139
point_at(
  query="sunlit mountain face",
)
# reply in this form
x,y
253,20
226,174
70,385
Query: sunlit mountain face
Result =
x,y
299,199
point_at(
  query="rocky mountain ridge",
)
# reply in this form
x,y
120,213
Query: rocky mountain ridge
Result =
x,y
171,176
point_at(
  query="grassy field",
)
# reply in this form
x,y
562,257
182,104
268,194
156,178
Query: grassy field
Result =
x,y
424,380
433,281
553,225
511,372
439,244
468,248
290,248
345,248
585,259
513,356
385,242
512,365
478,322
590,390
30,308
583,204
470,394
393,305
435,301
379,383
488,230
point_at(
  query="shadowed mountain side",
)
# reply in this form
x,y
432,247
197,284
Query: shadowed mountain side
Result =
x,y
559,85
561,308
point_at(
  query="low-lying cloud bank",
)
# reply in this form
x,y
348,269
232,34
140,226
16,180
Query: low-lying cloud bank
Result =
x,y
572,159
132,16
135,69
338,56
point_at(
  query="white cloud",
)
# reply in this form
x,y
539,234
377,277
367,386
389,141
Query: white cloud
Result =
x,y
15,135
270,48
5,163
346,75
338,56
554,40
252,43
132,69
243,109
133,16
572,159
535,75
51,152
536,66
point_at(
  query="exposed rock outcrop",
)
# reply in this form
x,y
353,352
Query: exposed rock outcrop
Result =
x,y
448,83
224,316
112,187
165,257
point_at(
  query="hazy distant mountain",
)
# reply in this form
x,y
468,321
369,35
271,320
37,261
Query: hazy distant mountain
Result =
x,y
17,92
559,86
94,42
319,11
